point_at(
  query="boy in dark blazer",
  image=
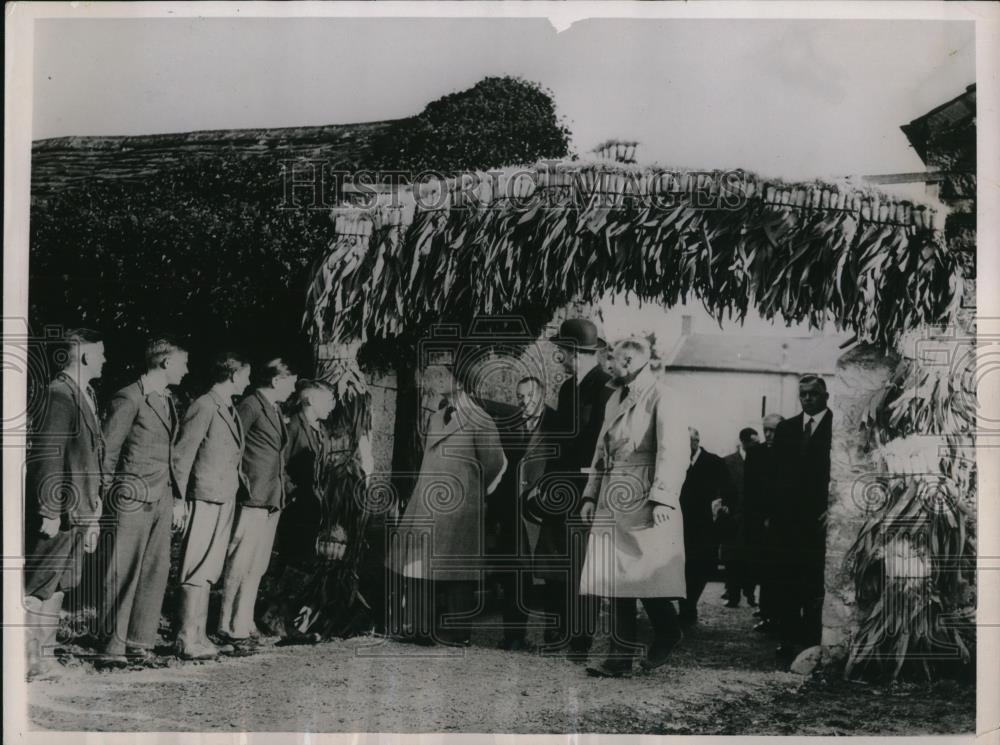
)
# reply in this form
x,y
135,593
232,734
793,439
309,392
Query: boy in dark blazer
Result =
x,y
207,463
260,506
64,499
139,432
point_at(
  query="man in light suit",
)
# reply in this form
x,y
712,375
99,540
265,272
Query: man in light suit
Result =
x,y
528,449
207,463
141,492
63,497
258,512
797,522
633,500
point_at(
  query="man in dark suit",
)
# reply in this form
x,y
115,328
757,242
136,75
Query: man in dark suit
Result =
x,y
732,527
64,492
797,520
562,539
257,515
208,465
527,448
759,479
701,498
141,492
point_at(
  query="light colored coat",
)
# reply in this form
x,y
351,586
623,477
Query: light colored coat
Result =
x,y
640,461
441,533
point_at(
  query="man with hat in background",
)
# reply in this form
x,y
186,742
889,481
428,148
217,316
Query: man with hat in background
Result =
x,y
562,537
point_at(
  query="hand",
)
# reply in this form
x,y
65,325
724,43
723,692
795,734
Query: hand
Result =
x,y
716,508
661,513
180,514
50,526
587,510
90,536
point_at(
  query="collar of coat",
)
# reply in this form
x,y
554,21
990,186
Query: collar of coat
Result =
x,y
271,411
146,391
231,418
465,416
89,415
637,388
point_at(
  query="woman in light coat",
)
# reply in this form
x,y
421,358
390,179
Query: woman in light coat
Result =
x,y
439,545
636,544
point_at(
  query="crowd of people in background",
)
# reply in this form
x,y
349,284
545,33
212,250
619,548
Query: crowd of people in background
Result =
x,y
606,499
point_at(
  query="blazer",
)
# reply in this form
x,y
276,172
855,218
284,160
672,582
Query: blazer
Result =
x,y
802,483
139,434
209,451
64,468
263,457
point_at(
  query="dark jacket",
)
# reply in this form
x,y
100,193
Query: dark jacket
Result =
x,y
306,475
705,482
139,434
576,427
263,457
731,526
65,465
759,478
528,454
209,451
802,485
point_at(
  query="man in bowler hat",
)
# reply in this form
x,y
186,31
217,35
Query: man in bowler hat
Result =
x,y
562,537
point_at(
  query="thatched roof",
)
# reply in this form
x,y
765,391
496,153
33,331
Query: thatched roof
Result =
x,y
68,161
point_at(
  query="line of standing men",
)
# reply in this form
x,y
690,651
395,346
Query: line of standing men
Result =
x,y
217,473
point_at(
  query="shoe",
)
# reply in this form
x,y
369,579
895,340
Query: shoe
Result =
x,y
107,661
732,603
751,600
611,668
785,654
659,653
140,655
454,640
765,627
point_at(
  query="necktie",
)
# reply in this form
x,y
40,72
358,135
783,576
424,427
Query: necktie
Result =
x,y
448,410
806,434
624,394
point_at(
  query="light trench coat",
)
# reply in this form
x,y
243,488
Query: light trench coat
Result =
x,y
441,534
640,461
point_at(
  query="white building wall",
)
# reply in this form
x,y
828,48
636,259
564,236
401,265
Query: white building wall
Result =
x,y
721,403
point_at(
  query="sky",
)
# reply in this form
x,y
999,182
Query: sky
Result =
x,y
790,98
795,99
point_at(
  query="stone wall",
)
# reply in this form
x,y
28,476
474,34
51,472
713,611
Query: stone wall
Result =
x,y
861,373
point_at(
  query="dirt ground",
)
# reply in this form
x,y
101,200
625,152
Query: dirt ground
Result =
x,y
722,681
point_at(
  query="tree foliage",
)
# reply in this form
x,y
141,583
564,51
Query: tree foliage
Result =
x,y
498,122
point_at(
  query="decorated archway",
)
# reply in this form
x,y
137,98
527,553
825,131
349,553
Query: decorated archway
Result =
x,y
525,242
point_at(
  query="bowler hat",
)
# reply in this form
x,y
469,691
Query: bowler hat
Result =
x,y
578,333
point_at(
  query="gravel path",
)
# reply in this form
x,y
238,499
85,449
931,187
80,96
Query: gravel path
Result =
x,y
722,681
